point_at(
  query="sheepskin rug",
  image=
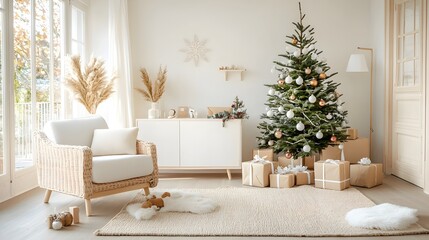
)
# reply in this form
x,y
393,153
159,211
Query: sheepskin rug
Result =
x,y
385,216
178,202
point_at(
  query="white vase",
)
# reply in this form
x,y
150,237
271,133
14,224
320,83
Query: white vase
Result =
x,y
154,111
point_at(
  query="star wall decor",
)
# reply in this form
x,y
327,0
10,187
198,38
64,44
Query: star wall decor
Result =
x,y
195,50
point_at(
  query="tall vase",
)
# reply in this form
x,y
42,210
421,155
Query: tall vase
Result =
x,y
154,111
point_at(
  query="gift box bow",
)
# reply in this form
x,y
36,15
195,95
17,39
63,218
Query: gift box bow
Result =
x,y
364,161
336,162
299,168
283,171
259,159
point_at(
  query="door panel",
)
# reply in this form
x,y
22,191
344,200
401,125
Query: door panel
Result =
x,y
408,106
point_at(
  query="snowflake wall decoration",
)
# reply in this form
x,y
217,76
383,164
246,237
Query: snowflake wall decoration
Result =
x,y
195,50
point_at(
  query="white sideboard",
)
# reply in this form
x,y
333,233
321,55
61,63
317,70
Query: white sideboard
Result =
x,y
194,143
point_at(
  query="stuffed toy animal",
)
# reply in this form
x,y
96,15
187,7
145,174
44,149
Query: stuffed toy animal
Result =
x,y
154,201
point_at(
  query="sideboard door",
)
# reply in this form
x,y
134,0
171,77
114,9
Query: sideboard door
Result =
x,y
165,134
207,144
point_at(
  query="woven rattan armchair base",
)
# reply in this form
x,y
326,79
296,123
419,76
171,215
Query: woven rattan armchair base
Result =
x,y
68,169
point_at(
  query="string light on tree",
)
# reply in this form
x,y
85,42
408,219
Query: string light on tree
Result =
x,y
304,111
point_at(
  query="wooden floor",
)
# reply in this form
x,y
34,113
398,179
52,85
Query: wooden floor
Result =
x,y
24,217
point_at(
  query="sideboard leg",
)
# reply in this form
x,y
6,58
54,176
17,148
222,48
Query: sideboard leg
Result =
x,y
228,172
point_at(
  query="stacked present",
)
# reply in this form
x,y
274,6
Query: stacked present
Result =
x,y
303,176
256,172
332,174
366,174
282,178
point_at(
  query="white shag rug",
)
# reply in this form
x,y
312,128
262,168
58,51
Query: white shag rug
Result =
x,y
385,216
249,211
178,201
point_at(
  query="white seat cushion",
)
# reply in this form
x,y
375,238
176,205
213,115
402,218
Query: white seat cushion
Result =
x,y
114,141
114,168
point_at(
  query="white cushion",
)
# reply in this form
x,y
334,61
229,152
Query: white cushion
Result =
x,y
75,131
114,141
114,168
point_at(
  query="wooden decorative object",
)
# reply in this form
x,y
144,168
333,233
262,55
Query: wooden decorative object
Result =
x,y
75,213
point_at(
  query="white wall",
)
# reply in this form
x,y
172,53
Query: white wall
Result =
x,y
249,33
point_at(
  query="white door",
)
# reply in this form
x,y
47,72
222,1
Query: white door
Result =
x,y
408,96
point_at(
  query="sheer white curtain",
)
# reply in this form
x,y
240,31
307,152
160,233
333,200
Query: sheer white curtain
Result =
x,y
119,62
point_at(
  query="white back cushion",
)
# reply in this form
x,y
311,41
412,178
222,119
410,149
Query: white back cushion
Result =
x,y
75,131
114,141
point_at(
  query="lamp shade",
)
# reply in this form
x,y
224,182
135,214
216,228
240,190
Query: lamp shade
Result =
x,y
357,63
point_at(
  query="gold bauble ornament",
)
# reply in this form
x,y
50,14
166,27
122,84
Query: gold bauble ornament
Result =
x,y
288,155
307,70
294,41
281,81
322,103
292,97
314,82
322,75
278,134
333,138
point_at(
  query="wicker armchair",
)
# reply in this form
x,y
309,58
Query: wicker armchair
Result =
x,y
68,168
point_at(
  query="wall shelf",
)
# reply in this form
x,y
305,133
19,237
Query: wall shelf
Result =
x,y
226,71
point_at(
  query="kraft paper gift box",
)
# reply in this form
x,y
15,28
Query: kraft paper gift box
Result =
x,y
304,178
331,152
354,150
268,153
282,180
256,173
352,133
285,162
332,174
366,175
213,110
309,162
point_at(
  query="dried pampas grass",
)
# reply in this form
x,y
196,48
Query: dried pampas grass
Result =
x,y
153,92
92,86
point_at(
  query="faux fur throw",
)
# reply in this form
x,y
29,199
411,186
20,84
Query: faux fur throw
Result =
x,y
178,202
385,216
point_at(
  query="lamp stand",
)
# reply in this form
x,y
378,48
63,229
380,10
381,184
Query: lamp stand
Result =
x,y
371,130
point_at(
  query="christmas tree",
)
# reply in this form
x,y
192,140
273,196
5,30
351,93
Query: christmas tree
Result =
x,y
304,112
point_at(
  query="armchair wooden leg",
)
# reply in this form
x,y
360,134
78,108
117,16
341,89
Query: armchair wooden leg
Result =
x,y
146,191
47,195
88,207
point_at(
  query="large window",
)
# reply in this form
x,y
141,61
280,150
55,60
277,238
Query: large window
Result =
x,y
78,32
37,60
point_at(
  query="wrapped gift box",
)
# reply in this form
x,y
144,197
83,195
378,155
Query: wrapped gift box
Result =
x,y
354,150
304,178
256,173
282,180
352,133
268,153
285,162
331,174
366,175
309,162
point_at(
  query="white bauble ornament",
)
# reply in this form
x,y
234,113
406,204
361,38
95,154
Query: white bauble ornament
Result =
x,y
290,114
300,126
312,99
340,108
305,51
319,135
299,80
311,47
270,113
306,148
288,80
271,91
270,143
341,146
319,70
314,56
281,109
296,53
262,142
329,116
57,225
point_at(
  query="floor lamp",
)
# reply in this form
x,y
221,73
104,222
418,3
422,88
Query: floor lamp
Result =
x,y
357,63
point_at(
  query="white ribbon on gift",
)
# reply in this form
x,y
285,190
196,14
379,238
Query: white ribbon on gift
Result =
x,y
342,154
336,162
281,171
258,159
302,169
